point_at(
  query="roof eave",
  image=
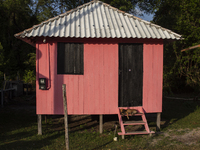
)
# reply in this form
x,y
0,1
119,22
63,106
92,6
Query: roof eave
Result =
x,y
27,40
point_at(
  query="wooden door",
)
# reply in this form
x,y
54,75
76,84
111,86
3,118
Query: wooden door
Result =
x,y
130,74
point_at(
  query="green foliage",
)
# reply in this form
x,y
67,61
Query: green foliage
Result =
x,y
1,57
30,63
1,64
181,16
29,76
15,16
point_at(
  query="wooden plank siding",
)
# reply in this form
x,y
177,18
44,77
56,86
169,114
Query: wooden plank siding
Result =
x,y
96,91
152,77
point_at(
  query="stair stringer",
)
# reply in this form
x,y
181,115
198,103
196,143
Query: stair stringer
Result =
x,y
140,113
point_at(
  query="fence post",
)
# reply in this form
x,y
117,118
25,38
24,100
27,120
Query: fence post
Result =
x,y
65,116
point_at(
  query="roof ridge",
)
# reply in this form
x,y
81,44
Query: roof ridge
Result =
x,y
90,3
139,19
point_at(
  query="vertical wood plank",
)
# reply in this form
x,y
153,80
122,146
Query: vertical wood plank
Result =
x,y
82,58
121,75
67,57
77,60
152,80
71,94
72,57
75,100
92,73
60,57
80,93
114,77
39,124
101,80
97,101
107,73
65,116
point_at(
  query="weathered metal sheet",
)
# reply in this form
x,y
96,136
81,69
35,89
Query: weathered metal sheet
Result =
x,y
98,20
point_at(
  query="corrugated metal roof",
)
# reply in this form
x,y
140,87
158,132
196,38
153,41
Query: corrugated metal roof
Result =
x,y
98,20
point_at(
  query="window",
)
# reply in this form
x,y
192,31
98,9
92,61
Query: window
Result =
x,y
70,58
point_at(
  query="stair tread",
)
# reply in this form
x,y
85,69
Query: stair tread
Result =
x,y
132,133
134,122
138,114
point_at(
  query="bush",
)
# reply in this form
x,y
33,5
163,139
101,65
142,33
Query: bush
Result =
x,y
29,76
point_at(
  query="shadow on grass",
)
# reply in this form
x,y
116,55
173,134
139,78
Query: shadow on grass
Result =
x,y
176,110
19,128
99,147
35,143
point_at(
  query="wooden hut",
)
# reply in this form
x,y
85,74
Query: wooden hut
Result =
x,y
107,58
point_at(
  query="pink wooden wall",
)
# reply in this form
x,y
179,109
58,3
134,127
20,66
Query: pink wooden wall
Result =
x,y
95,92
152,77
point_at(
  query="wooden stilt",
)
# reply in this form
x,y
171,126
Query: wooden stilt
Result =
x,y
39,124
158,121
101,124
45,119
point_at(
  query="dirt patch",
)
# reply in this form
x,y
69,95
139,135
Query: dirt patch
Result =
x,y
190,137
185,136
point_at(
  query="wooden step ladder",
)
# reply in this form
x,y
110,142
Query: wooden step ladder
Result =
x,y
141,122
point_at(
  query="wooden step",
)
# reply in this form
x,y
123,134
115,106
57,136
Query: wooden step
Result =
x,y
133,133
138,114
134,122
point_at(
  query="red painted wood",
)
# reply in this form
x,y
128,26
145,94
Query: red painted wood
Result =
x,y
133,133
121,122
96,92
152,77
44,98
143,122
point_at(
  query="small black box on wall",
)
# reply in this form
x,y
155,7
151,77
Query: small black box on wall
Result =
x,y
42,83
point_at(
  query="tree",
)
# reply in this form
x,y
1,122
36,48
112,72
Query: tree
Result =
x,y
45,9
181,16
15,16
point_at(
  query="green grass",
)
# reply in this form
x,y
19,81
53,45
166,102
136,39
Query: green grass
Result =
x,y
18,131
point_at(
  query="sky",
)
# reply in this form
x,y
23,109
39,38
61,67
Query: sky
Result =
x,y
146,17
